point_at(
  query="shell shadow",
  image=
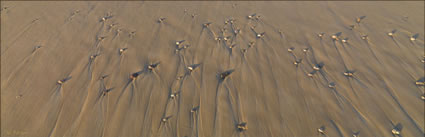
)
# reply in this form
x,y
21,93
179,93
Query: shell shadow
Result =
x,y
313,72
416,36
222,76
195,109
338,34
399,127
394,31
66,79
421,79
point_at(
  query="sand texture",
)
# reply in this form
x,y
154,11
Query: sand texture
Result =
x,y
200,69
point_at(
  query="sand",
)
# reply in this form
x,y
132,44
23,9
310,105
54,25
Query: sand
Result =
x,y
114,69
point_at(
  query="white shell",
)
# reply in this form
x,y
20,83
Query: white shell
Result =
x,y
395,132
348,74
290,49
320,130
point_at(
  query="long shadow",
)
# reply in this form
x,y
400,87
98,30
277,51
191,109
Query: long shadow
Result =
x,y
373,53
18,69
26,28
235,116
167,125
216,109
340,56
324,48
337,128
221,78
391,93
56,114
127,84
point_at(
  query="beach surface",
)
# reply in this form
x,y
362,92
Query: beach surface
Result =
x,y
212,69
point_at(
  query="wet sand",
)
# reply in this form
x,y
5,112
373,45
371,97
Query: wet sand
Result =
x,y
200,69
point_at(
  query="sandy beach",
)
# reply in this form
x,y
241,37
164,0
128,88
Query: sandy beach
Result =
x,y
212,69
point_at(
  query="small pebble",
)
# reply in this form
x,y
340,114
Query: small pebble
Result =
x,y
18,96
395,131
348,74
60,82
310,74
260,35
160,20
242,126
291,49
334,37
321,130
173,95
298,61
332,85
412,38
321,34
